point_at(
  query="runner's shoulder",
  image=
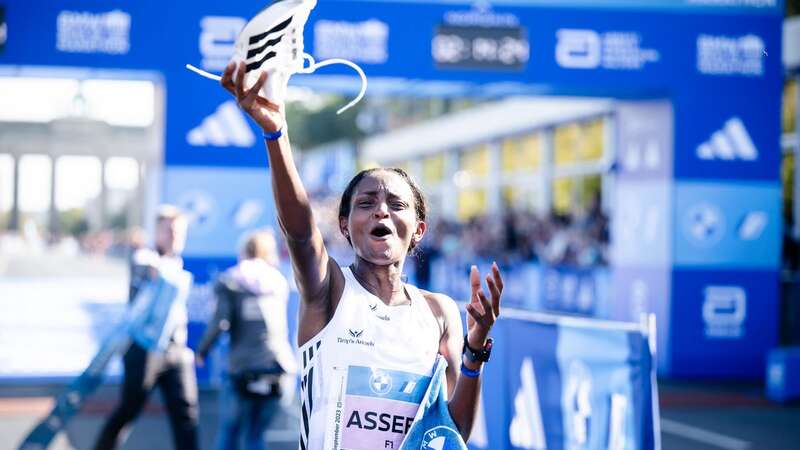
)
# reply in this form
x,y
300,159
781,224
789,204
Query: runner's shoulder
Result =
x,y
441,305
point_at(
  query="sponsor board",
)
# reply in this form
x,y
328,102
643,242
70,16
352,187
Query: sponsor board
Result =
x,y
480,38
611,50
730,143
727,225
361,42
731,55
217,38
222,206
225,127
90,32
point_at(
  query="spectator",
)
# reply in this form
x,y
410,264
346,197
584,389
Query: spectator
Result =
x,y
251,307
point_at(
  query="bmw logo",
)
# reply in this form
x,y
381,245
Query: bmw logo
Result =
x,y
704,224
200,210
380,382
436,438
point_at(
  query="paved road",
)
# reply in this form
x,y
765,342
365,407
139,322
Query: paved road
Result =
x,y
21,408
695,416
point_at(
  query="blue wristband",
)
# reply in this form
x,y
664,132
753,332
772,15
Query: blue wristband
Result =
x,y
469,372
273,136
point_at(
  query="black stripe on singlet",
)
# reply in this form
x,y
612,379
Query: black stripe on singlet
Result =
x,y
305,420
310,389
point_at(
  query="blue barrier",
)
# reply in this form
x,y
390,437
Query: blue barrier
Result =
x,y
783,374
562,382
535,287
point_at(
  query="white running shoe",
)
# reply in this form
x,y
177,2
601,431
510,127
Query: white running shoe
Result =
x,y
273,41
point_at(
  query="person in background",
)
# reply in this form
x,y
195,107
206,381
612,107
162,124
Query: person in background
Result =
x,y
251,307
158,354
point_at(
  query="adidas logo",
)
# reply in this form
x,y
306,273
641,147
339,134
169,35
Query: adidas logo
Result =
x,y
225,127
730,143
526,430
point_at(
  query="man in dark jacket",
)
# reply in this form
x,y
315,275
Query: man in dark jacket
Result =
x,y
158,354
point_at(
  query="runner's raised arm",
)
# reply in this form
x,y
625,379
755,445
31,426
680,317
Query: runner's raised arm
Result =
x,y
309,256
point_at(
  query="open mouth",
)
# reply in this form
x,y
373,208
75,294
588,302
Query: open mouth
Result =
x,y
380,231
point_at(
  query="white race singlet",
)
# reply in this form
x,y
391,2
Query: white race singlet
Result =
x,y
365,373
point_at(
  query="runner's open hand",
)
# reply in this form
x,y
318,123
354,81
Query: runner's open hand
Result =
x,y
481,313
268,115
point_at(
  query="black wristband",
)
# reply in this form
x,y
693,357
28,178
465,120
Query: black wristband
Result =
x,y
481,355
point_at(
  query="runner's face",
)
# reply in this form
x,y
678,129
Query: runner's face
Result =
x,y
383,219
171,236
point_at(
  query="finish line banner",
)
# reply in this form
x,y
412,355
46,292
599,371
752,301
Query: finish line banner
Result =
x,y
565,383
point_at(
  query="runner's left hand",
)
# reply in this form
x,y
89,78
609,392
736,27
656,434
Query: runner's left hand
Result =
x,y
481,313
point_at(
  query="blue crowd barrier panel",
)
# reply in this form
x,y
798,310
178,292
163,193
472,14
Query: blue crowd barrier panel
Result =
x,y
783,374
559,382
141,324
534,286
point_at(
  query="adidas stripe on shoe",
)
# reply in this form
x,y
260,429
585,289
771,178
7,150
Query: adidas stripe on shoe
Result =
x,y
273,41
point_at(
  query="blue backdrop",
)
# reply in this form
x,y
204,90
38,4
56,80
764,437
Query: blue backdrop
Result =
x,y
714,282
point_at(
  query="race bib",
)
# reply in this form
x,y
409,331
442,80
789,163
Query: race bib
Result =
x,y
372,408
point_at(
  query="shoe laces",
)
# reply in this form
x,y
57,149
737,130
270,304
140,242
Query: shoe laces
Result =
x,y
310,68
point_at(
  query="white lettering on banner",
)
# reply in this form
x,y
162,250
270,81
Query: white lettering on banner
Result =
x,y
225,127
613,50
87,32
481,15
577,403
527,430
729,55
617,421
731,143
365,42
569,287
639,299
642,156
748,3
217,38
641,221
724,311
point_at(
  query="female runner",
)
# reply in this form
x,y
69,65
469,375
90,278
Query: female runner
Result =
x,y
368,341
